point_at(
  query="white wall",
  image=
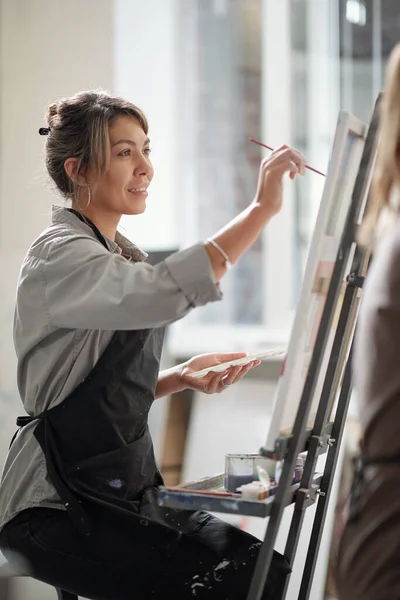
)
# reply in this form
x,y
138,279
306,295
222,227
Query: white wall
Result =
x,y
49,48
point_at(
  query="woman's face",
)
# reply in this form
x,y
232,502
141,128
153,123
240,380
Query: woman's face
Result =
x,y
122,189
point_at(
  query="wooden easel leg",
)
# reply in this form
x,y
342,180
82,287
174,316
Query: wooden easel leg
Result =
x,y
5,589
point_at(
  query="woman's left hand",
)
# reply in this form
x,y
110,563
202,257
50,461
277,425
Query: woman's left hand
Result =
x,y
214,383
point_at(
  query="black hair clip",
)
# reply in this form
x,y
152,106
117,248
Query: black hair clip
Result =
x,y
44,131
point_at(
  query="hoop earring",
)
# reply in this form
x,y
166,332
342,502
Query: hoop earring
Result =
x,y
88,202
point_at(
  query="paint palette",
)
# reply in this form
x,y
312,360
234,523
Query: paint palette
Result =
x,y
239,362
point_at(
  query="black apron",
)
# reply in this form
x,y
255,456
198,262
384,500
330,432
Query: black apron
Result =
x,y
97,443
100,459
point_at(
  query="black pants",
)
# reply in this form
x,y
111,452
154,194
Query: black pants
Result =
x,y
143,561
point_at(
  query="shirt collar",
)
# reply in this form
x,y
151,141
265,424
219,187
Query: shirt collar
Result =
x,y
121,244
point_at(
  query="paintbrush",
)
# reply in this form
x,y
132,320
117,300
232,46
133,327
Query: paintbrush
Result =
x,y
269,148
203,492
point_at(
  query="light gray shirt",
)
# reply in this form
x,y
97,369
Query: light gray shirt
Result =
x,y
72,295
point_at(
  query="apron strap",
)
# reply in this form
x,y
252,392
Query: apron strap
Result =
x,y
21,422
54,468
92,226
360,462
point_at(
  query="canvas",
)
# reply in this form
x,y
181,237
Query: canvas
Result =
x,y
335,203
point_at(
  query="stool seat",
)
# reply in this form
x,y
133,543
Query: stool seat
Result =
x,y
19,569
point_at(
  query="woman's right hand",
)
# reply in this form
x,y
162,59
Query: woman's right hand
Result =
x,y
243,230
270,186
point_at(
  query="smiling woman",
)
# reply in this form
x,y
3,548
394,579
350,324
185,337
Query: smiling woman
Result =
x,y
78,497
108,170
120,185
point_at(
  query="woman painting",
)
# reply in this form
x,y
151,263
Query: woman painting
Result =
x,y
78,497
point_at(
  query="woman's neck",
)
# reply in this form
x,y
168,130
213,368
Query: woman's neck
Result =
x,y
105,221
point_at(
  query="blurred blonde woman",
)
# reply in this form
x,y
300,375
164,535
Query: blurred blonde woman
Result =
x,y
369,551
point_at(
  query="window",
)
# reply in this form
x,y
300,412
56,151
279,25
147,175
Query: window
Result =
x,y
222,66
277,70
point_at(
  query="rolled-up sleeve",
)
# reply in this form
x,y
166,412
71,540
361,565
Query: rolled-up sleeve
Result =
x,y
86,287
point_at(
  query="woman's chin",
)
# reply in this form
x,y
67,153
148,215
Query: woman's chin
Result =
x,y
136,209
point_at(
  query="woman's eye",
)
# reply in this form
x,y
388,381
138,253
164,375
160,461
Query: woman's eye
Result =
x,y
125,152
147,151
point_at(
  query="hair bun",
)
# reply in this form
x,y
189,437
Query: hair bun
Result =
x,y
52,115
52,110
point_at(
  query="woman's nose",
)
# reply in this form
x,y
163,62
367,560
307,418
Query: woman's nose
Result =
x,y
144,167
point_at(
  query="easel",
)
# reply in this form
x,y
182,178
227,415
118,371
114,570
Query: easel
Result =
x,y
324,436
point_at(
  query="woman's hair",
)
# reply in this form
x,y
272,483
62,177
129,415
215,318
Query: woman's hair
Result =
x,y
79,128
384,205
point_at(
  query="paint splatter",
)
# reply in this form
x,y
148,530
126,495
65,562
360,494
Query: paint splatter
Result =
x,y
116,483
205,583
256,545
195,586
254,549
221,565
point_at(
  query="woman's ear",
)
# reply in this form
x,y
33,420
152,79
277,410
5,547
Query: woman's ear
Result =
x,y
71,166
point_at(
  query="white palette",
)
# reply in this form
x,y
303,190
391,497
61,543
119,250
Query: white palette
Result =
x,y
238,362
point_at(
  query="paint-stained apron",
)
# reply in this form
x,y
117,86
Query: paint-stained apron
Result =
x,y
97,442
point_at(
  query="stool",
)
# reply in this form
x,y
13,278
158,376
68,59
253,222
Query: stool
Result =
x,y
7,571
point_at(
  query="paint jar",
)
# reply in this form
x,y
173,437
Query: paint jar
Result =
x,y
298,470
239,470
242,468
268,464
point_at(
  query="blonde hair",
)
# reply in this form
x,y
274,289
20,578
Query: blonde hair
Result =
x,y
383,207
79,128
